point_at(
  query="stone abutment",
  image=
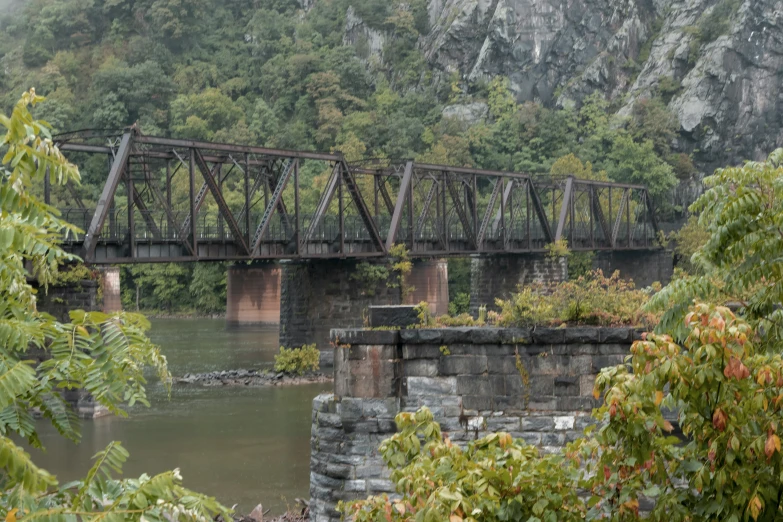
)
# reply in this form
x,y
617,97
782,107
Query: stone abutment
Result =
x,y
253,294
535,384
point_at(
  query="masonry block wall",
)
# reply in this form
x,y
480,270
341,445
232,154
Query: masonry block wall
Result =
x,y
316,296
536,385
494,277
59,300
644,266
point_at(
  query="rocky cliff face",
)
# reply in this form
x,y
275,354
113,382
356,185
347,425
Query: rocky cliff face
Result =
x,y
718,63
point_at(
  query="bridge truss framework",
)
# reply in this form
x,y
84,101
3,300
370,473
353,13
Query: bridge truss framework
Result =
x,y
170,199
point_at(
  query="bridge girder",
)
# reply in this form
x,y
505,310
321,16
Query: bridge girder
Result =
x,y
362,210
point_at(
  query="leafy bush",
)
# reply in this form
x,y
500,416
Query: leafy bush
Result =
x,y
106,355
740,218
725,385
592,299
298,360
494,478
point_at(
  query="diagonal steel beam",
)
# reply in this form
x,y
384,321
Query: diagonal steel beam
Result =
x,y
616,228
426,207
361,206
463,217
564,208
506,195
405,184
222,206
107,196
599,214
385,194
488,213
535,199
277,195
323,204
145,212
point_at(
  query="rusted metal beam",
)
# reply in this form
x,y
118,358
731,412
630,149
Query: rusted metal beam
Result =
x,y
463,217
226,147
361,206
397,214
276,196
535,200
616,228
222,205
599,214
488,213
323,204
107,195
564,208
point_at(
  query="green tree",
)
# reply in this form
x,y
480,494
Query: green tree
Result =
x,y
632,162
743,258
208,287
105,355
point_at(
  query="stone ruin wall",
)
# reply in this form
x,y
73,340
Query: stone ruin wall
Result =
x,y
379,373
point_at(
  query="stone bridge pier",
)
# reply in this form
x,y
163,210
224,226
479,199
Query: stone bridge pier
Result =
x,y
318,295
497,277
494,277
253,294
643,266
429,279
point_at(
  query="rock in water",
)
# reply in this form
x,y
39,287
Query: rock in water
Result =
x,y
258,513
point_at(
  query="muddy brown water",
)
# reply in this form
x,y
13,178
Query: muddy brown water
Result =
x,y
242,445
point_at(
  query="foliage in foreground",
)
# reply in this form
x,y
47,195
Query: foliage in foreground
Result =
x,y
105,355
727,389
494,478
298,360
593,299
742,260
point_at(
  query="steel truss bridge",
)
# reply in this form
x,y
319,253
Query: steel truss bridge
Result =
x,y
182,200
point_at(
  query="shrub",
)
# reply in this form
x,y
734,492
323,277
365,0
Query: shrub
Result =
x,y
298,360
593,299
495,478
725,384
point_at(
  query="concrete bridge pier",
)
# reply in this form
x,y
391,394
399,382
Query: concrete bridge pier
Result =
x,y
112,298
253,294
499,276
430,281
321,294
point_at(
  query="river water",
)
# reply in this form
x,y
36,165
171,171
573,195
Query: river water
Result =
x,y
242,445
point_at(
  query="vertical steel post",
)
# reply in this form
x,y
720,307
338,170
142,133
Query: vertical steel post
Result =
x,y
340,209
444,211
131,224
296,206
527,208
375,194
474,188
168,183
192,174
503,215
411,232
247,199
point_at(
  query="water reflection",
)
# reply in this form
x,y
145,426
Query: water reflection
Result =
x,y
244,445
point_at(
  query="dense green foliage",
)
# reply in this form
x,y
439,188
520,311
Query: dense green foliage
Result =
x,y
269,73
298,360
105,355
742,259
495,478
591,299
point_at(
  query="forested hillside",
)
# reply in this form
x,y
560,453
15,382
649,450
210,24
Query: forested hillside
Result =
x,y
359,76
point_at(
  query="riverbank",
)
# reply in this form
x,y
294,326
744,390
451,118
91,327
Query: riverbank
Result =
x,y
264,377
186,314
